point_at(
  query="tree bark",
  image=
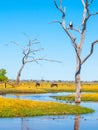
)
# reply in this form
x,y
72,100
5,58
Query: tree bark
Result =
x,y
78,89
77,76
19,74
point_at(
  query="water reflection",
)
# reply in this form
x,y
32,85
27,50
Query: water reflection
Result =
x,y
24,125
51,122
42,97
77,122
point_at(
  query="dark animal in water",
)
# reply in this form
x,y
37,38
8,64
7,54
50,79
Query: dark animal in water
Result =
x,y
54,85
37,84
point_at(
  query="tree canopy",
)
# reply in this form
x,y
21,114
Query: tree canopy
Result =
x,y
3,76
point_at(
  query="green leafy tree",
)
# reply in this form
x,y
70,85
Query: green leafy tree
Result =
x,y
3,76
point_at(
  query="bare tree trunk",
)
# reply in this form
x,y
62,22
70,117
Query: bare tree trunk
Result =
x,y
19,74
78,89
77,78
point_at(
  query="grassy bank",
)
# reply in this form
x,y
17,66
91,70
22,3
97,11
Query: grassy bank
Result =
x,y
23,108
84,97
45,87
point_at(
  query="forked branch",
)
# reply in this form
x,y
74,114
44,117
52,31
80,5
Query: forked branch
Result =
x,y
63,23
91,51
86,16
75,29
60,8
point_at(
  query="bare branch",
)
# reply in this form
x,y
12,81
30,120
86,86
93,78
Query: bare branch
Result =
x,y
66,30
91,51
44,59
56,21
50,60
37,50
86,13
69,34
17,44
93,14
32,60
61,4
31,42
60,8
75,29
85,18
83,2
63,21
90,2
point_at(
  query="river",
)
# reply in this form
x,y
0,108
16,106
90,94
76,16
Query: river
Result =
x,y
65,122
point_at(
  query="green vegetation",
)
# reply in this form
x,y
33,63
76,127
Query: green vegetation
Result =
x,y
23,108
84,97
45,87
3,78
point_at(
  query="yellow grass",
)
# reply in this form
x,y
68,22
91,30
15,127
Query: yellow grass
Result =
x,y
45,87
20,108
84,97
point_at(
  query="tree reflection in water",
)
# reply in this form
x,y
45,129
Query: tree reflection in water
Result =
x,y
24,124
77,122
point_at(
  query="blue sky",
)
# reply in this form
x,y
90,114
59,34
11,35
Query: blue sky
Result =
x,y
32,17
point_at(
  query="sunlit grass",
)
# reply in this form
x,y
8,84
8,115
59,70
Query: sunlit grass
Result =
x,y
84,97
45,87
23,108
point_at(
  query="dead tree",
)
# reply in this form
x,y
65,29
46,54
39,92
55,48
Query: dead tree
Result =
x,y
82,33
30,55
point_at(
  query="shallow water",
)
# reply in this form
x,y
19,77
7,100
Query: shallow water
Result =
x,y
42,97
65,122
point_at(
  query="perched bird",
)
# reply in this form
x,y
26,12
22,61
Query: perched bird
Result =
x,y
71,25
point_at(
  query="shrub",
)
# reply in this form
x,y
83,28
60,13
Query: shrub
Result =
x,y
2,75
